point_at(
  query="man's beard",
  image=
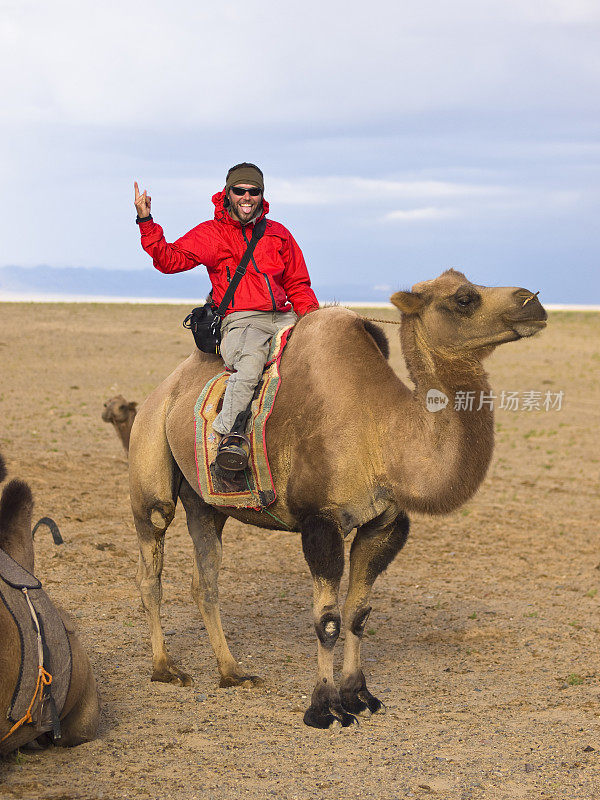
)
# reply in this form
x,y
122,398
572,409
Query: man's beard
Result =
x,y
245,221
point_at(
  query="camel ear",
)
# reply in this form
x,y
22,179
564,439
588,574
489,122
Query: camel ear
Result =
x,y
2,469
408,302
132,406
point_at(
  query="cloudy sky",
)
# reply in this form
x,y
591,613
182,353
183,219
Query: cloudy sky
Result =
x,y
397,138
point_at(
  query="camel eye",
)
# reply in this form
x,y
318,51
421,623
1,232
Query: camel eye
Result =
x,y
466,301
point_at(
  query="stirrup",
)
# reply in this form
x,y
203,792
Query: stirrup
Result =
x,y
233,452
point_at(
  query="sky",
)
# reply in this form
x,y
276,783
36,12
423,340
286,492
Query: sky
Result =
x,y
397,138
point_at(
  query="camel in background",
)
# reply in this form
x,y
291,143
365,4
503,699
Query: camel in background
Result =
x,y
120,413
81,711
350,447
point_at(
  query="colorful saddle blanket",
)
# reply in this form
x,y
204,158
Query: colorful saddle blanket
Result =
x,y
259,490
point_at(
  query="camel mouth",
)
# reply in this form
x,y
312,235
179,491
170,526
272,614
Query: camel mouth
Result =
x,y
528,319
112,416
526,328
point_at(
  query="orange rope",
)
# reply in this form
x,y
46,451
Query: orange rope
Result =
x,y
44,679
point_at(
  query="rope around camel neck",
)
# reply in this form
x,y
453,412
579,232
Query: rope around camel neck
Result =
x,y
385,321
371,319
399,322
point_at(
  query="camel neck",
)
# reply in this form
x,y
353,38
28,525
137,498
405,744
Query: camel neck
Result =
x,y
124,431
447,421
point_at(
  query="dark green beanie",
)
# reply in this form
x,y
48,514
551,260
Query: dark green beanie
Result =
x,y
245,173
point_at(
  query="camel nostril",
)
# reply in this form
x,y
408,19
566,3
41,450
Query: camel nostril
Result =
x,y
527,307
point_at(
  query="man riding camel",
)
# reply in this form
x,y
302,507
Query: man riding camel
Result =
x,y
276,281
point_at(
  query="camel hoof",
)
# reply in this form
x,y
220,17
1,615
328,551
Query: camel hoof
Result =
x,y
171,674
326,710
331,719
364,705
245,681
357,699
374,704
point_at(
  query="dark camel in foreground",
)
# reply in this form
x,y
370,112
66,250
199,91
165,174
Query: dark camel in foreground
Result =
x,y
120,414
80,715
350,447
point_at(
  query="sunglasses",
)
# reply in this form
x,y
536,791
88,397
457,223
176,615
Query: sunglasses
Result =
x,y
239,192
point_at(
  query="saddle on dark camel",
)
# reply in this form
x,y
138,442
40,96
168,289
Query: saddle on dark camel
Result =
x,y
46,661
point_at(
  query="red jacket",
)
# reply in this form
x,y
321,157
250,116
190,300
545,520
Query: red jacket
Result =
x,y
277,275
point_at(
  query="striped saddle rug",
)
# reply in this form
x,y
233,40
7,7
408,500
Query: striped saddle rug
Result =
x,y
259,491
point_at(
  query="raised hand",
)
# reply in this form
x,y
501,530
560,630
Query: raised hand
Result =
x,y
142,201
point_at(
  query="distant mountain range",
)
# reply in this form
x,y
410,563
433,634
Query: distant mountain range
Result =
x,y
129,283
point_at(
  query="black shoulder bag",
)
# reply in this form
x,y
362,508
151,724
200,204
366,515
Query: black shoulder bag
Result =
x,y
205,321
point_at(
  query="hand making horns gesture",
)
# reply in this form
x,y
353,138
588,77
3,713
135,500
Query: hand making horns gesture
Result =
x,y
141,202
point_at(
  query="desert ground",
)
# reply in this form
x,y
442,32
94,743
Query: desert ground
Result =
x,y
485,634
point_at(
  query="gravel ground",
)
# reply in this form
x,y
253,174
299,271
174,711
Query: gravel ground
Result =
x,y
483,641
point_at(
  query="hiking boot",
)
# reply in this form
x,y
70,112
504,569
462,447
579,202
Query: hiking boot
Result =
x,y
233,452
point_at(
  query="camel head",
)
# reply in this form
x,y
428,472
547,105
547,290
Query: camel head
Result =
x,y
118,410
456,318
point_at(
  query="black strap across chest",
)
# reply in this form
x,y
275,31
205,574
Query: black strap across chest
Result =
x,y
258,231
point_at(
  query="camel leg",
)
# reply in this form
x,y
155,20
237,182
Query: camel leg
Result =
x,y
153,480
323,547
205,525
373,549
81,723
152,544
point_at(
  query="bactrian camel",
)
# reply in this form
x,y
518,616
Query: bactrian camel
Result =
x,y
81,711
350,447
120,413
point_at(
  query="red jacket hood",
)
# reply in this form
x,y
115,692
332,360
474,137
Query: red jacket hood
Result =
x,y
222,215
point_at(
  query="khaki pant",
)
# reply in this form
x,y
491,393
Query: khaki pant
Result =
x,y
245,342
